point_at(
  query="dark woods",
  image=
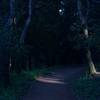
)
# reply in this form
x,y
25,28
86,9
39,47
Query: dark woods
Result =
x,y
41,33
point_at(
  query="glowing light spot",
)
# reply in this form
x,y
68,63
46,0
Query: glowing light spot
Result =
x,y
61,12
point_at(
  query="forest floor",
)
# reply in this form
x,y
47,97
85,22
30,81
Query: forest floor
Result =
x,y
54,85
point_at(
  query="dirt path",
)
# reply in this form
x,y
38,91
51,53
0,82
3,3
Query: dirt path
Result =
x,y
54,86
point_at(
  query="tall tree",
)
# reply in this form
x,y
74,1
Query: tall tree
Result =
x,y
83,18
24,32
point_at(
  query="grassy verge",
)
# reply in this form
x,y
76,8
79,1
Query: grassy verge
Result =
x,y
86,88
19,84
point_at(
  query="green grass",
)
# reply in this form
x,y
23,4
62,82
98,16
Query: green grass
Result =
x,y
19,84
86,88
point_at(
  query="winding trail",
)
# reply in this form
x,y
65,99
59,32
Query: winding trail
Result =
x,y
54,86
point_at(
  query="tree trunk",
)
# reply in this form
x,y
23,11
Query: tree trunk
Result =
x,y
24,32
90,62
88,54
92,68
83,19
